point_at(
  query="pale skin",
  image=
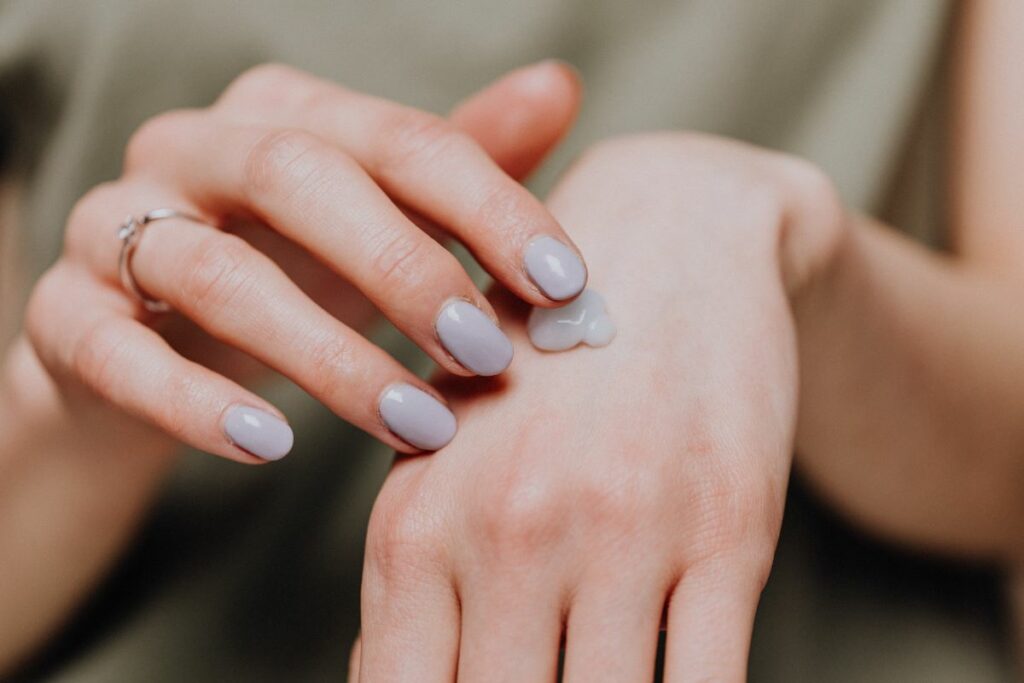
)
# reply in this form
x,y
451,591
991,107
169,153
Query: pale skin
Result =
x,y
783,322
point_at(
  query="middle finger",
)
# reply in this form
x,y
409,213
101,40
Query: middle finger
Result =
x,y
429,165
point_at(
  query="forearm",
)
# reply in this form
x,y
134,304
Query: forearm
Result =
x,y
73,485
912,393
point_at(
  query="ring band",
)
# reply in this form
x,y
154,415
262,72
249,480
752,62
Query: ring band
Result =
x,y
130,232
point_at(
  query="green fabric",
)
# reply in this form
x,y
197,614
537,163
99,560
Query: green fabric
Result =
x,y
251,574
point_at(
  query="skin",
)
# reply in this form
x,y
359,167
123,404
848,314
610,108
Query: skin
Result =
x,y
478,558
324,172
803,325
580,520
77,473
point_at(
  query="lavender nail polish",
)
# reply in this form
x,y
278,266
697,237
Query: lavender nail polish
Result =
x,y
258,432
416,417
555,268
473,339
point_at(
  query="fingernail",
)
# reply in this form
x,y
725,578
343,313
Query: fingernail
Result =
x,y
555,268
473,338
416,417
258,432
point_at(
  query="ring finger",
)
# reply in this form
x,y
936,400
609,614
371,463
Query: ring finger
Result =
x,y
242,298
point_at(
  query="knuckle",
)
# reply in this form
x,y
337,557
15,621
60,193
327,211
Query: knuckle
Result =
x,y
333,362
274,163
401,541
730,517
501,206
150,140
218,275
415,138
97,353
398,257
521,520
615,501
745,568
177,416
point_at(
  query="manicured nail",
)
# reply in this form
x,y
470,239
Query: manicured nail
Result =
x,y
260,433
555,268
473,338
416,417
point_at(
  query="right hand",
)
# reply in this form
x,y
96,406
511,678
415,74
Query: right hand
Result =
x,y
310,195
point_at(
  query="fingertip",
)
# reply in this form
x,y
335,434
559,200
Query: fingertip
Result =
x,y
419,418
555,268
258,432
520,117
548,76
554,87
473,338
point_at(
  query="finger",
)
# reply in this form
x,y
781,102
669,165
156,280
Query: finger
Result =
x,y
519,118
410,627
90,238
242,298
509,633
317,196
612,632
441,173
710,619
82,328
415,642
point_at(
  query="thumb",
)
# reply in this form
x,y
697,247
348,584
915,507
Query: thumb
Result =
x,y
519,118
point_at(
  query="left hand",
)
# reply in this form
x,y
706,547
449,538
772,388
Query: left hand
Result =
x,y
588,490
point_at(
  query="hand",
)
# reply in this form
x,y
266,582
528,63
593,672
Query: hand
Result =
x,y
301,184
588,490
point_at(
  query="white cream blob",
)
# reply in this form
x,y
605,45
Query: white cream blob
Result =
x,y
582,321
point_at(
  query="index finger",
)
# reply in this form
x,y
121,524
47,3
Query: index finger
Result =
x,y
429,165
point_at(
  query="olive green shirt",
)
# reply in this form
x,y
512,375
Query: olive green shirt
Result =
x,y
251,574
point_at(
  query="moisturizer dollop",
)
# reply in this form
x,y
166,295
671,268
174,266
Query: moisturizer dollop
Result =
x,y
582,321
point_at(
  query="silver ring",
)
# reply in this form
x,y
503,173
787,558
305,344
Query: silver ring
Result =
x,y
130,232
